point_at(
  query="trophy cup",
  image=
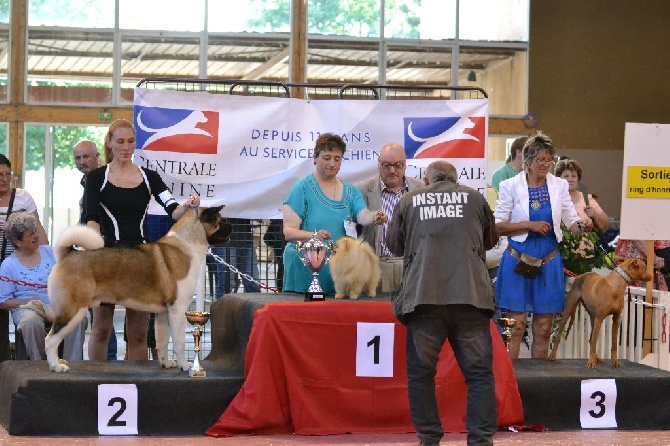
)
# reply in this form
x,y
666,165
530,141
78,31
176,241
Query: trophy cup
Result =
x,y
197,319
507,323
314,255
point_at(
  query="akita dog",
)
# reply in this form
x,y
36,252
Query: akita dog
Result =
x,y
156,277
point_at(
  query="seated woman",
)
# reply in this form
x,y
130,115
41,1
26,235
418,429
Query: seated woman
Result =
x,y
26,298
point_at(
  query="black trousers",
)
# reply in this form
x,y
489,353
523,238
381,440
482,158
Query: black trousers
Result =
x,y
4,335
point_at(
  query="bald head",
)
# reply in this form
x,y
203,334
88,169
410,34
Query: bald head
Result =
x,y
392,163
440,171
86,156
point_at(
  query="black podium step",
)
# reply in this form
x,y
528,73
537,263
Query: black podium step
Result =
x,y
37,402
564,394
560,395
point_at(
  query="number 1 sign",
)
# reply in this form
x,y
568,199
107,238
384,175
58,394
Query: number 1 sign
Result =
x,y
374,349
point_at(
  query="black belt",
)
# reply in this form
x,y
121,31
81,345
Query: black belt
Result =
x,y
545,259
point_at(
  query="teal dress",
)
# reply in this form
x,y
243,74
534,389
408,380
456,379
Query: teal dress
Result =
x,y
317,211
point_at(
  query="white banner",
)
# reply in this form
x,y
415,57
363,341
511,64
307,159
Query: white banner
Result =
x,y
247,151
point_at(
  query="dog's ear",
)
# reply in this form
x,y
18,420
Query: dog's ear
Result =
x,y
618,259
638,264
209,214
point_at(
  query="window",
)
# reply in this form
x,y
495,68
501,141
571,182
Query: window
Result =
x,y
165,15
71,13
494,20
70,66
425,19
4,61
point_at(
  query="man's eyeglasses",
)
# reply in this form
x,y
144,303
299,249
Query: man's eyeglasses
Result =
x,y
397,166
544,162
6,176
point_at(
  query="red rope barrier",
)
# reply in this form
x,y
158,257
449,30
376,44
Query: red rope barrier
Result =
x,y
22,282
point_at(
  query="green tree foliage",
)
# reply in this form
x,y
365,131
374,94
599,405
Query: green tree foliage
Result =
x,y
342,17
3,139
64,138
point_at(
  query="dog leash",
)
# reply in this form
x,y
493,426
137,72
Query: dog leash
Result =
x,y
375,222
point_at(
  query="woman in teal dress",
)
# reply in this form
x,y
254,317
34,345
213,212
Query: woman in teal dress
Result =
x,y
529,210
324,204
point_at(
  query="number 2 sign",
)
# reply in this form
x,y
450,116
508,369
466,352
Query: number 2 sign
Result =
x,y
117,409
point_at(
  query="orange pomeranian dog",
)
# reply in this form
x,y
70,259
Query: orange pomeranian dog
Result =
x,y
354,266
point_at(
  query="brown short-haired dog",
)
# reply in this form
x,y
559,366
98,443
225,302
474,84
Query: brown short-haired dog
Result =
x,y
601,296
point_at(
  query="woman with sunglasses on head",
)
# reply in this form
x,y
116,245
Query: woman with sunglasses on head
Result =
x,y
529,210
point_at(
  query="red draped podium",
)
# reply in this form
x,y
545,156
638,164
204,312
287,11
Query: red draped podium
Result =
x,y
300,376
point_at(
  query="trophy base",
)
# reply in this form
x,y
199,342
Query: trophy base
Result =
x,y
197,373
311,296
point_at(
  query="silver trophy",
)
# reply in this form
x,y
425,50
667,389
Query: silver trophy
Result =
x,y
314,254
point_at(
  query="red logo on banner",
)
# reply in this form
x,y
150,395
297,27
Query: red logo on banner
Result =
x,y
181,131
452,138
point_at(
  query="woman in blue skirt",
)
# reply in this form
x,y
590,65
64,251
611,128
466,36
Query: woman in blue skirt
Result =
x,y
529,210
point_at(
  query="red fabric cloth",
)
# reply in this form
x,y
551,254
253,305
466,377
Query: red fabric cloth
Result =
x,y
300,370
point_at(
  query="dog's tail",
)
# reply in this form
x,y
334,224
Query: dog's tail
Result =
x,y
574,299
77,236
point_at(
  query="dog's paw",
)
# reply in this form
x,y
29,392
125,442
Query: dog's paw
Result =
x,y
185,367
552,356
62,361
616,363
339,295
168,364
60,367
591,364
353,297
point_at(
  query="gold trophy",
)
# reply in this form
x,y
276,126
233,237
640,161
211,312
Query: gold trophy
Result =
x,y
197,319
314,255
507,323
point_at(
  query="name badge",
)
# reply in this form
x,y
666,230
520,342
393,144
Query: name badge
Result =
x,y
350,228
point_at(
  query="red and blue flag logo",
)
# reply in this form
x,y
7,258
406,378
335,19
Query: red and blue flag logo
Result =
x,y
445,137
176,130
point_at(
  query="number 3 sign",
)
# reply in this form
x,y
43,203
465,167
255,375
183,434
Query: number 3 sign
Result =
x,y
117,409
598,409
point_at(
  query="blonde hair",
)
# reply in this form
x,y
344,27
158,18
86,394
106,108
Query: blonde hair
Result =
x,y
119,123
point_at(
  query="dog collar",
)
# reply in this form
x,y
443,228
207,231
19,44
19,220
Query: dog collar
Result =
x,y
622,273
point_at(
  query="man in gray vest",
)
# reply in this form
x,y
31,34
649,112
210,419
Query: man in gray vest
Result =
x,y
383,192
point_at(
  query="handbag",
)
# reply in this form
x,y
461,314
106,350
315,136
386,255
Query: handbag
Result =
x,y
528,266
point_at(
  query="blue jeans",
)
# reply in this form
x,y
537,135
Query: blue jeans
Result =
x,y
468,332
244,259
